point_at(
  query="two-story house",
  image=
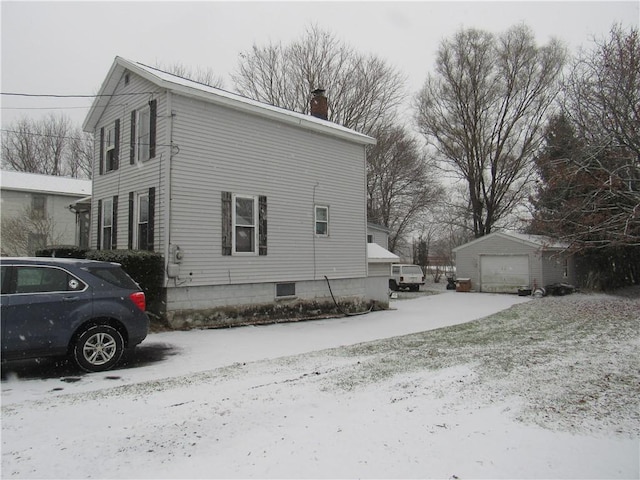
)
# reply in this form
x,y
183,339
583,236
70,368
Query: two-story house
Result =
x,y
258,211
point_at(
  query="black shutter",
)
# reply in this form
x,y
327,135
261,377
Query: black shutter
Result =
x,y
227,237
116,151
132,144
262,225
130,243
153,111
99,235
152,219
114,227
101,153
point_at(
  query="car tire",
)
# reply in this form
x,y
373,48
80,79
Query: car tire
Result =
x,y
393,285
98,348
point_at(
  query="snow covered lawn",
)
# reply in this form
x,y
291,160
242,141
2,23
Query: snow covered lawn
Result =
x,y
545,388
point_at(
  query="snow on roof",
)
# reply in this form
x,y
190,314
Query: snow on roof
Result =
x,y
34,182
378,254
215,95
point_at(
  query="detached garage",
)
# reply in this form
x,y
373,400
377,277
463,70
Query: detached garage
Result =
x,y
505,262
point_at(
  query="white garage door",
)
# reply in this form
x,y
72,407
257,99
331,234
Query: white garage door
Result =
x,y
503,273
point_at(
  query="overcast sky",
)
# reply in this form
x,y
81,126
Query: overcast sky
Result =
x,y
67,48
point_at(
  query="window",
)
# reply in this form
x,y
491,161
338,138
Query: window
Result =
x,y
322,220
107,224
142,222
369,238
285,290
109,147
46,280
143,137
244,224
38,207
35,242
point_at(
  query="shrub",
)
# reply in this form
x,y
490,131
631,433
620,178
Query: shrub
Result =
x,y
62,251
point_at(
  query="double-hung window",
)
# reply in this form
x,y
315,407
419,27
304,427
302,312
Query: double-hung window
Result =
x,y
143,135
107,224
142,222
322,220
245,224
109,147
38,207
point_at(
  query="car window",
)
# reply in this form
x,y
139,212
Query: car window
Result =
x,y
39,279
115,276
412,270
4,279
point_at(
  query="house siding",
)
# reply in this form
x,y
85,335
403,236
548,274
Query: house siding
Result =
x,y
128,178
220,150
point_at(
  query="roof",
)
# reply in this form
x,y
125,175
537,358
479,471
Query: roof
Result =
x,y
537,241
34,182
190,88
378,254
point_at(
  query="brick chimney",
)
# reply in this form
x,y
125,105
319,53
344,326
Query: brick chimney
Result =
x,y
319,106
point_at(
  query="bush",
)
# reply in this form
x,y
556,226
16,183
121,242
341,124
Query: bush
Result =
x,y
146,268
62,251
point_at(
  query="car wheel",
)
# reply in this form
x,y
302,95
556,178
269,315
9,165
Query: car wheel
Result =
x,y
98,348
393,285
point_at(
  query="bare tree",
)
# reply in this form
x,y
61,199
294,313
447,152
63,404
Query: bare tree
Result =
x,y
363,91
25,233
400,183
202,75
482,111
49,146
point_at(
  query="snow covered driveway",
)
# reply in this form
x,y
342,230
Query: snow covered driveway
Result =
x,y
545,389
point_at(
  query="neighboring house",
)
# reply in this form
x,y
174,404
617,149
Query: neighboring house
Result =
x,y
379,263
258,211
506,261
36,211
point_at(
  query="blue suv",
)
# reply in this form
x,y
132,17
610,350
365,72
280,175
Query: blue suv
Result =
x,y
88,310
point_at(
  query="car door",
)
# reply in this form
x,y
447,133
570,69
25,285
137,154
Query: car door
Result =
x,y
41,313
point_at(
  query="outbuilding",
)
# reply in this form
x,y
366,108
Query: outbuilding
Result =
x,y
506,262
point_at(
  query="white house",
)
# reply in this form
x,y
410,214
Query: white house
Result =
x,y
41,204
258,211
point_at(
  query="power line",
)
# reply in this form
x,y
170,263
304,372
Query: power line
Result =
x,y
52,95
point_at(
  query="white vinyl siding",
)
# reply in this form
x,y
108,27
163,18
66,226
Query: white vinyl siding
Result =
x,y
131,177
226,150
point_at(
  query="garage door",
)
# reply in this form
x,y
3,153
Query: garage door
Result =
x,y
503,273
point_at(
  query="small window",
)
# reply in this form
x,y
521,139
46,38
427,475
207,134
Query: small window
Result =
x,y
285,289
35,242
322,220
245,224
107,224
38,207
369,238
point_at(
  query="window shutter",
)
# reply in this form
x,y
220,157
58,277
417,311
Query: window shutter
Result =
x,y
262,225
101,167
114,228
116,152
132,144
131,226
99,236
152,218
227,237
153,110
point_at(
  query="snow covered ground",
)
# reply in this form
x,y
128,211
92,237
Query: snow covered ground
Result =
x,y
546,388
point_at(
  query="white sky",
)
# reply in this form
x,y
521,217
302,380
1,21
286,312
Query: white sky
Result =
x,y
67,48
